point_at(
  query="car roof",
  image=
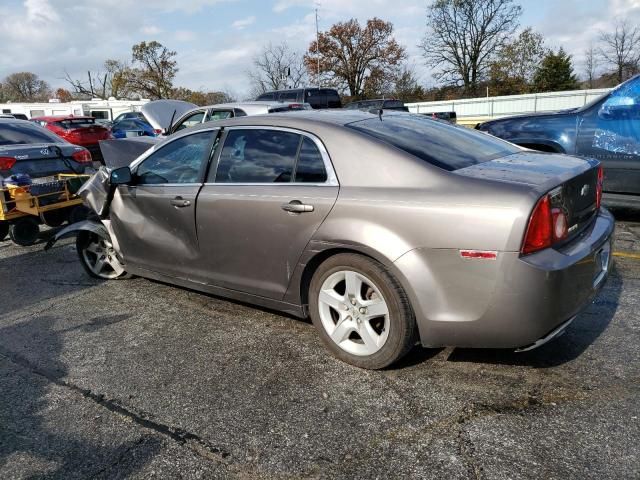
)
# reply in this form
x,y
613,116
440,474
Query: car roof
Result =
x,y
299,119
15,120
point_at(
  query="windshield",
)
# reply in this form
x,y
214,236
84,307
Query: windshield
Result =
x,y
447,146
21,133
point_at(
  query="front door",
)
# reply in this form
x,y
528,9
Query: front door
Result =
x,y
258,210
154,217
610,132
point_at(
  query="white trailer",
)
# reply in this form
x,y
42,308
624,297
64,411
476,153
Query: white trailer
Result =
x,y
100,109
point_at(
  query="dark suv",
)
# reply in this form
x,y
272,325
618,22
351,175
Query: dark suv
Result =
x,y
385,104
607,129
316,97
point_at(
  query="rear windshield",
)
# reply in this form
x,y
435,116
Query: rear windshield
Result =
x,y
441,144
21,133
76,123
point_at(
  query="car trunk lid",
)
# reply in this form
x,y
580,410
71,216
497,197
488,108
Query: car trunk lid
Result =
x,y
40,160
570,181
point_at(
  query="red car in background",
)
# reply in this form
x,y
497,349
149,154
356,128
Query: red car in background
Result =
x,y
83,131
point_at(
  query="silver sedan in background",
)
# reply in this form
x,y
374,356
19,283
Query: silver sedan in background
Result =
x,y
387,229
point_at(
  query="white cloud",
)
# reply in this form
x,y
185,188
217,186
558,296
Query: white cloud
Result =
x,y
184,35
244,22
151,30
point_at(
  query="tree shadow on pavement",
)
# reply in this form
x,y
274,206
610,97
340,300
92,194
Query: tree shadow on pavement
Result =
x,y
584,330
48,428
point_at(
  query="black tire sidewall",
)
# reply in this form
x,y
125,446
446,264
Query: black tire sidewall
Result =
x,y
401,320
24,231
4,231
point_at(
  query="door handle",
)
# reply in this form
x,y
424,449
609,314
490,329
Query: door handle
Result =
x,y
295,206
180,202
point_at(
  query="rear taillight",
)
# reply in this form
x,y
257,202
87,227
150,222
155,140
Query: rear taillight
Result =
x,y
546,226
538,234
7,162
157,131
296,106
599,186
82,156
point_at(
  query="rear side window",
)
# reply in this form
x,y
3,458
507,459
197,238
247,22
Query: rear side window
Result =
x,y
269,156
447,146
257,156
20,133
266,96
289,96
310,167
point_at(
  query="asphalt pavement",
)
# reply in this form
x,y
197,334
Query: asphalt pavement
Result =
x,y
137,379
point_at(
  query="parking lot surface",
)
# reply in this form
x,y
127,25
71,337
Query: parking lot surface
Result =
x,y
137,379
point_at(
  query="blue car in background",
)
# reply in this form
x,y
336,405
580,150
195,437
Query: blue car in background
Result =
x,y
607,129
132,127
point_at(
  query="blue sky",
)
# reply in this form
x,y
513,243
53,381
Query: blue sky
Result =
x,y
216,39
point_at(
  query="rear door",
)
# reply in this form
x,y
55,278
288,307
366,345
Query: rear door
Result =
x,y
610,132
154,217
270,192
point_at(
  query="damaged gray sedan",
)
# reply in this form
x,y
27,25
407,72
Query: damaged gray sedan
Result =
x,y
386,229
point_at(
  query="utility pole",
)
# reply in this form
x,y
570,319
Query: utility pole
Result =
x,y
318,45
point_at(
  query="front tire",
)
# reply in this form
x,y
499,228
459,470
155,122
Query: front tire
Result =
x,y
361,311
98,257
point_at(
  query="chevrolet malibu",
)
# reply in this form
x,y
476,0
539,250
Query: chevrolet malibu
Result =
x,y
385,229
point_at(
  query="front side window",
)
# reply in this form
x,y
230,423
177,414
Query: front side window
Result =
x,y
191,121
257,156
180,161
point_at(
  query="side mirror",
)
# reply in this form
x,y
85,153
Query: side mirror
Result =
x,y
120,176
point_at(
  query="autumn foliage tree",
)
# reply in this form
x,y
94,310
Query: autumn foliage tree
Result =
x,y
362,60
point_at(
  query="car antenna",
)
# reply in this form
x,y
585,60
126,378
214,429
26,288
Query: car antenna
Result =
x,y
171,121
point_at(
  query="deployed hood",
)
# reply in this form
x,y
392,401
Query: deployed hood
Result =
x,y
121,152
161,113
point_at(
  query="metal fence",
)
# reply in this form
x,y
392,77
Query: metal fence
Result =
x,y
485,108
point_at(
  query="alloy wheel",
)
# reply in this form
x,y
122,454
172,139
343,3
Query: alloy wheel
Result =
x,y
100,257
354,313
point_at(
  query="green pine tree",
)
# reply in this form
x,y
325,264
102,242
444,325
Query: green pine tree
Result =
x,y
555,73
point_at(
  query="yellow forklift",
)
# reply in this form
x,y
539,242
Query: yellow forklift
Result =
x,y
50,200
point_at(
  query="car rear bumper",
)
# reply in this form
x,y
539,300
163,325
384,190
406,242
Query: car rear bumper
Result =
x,y
510,302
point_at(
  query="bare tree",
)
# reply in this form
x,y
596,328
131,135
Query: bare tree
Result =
x,y
25,87
464,35
277,67
590,65
110,82
621,49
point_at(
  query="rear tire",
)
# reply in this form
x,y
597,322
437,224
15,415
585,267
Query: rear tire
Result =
x,y
98,258
24,231
4,230
361,311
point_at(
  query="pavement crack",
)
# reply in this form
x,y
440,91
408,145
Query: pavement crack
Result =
x,y
194,442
